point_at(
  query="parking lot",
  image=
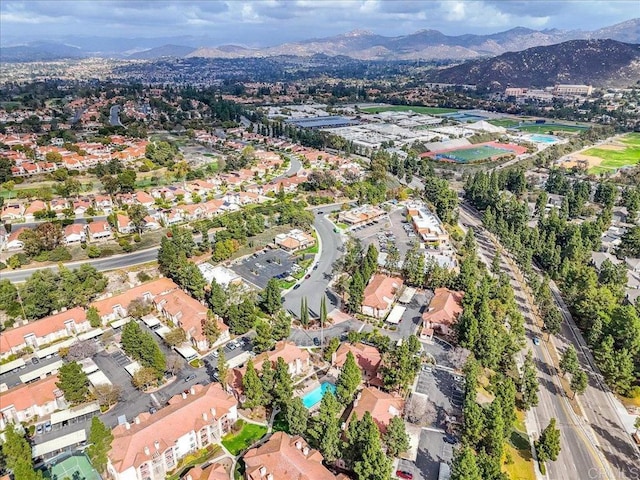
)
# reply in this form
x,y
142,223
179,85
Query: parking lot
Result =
x,y
258,268
432,450
393,228
442,388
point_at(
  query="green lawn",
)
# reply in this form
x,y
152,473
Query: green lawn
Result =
x,y
550,127
615,159
247,436
504,122
406,108
519,449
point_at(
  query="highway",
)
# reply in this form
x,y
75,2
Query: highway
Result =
x,y
593,447
315,287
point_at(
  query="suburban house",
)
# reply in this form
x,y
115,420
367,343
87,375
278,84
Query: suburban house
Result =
x,y
367,357
62,325
144,199
104,203
12,211
13,241
286,457
294,240
442,314
115,307
99,230
153,445
74,233
380,294
124,224
36,206
28,401
81,206
381,405
151,223
189,314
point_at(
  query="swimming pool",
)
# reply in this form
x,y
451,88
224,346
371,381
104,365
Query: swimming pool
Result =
x,y
543,138
312,398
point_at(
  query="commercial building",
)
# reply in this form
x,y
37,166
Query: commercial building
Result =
x,y
294,240
442,314
573,90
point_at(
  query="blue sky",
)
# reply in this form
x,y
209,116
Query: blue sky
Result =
x,y
269,22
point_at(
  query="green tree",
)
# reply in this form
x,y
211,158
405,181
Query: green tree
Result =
x,y
281,327
529,383
252,387
548,445
211,329
569,361
94,317
241,316
348,380
17,453
271,297
100,438
263,340
144,377
176,336
304,312
464,466
268,379
297,416
325,429
396,438
217,299
73,382
137,212
223,367
371,463
579,382
283,388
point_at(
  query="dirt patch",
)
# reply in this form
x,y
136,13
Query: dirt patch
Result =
x,y
611,146
581,160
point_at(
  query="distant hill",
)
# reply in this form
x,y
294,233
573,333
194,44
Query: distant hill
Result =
x,y
596,62
163,51
39,52
359,44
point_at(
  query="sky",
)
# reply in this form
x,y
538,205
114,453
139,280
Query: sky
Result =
x,y
270,22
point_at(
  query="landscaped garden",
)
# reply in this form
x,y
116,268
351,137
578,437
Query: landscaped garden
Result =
x,y
245,435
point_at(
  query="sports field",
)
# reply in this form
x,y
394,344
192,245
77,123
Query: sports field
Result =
x,y
470,155
550,127
406,108
619,153
76,467
504,122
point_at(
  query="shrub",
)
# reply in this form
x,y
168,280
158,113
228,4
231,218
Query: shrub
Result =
x,y
123,241
137,238
93,251
2,266
143,276
59,254
127,248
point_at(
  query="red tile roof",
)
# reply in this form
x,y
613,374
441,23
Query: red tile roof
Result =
x,y
286,458
381,405
444,308
27,395
381,291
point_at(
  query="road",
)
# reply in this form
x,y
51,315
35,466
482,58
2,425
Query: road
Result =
x,y
595,447
316,286
114,116
101,264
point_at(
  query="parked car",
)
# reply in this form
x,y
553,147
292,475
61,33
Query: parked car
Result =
x,y
189,377
452,439
47,426
296,286
536,341
39,429
404,474
215,354
307,276
153,410
427,368
35,360
316,341
315,267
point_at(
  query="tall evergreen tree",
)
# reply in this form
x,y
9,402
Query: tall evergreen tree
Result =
x,y
348,380
325,429
100,438
464,466
283,386
297,416
252,387
548,445
73,382
395,438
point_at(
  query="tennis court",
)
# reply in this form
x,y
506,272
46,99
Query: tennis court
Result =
x,y
470,155
75,467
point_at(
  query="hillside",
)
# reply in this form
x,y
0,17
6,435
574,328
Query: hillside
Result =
x,y
596,62
163,51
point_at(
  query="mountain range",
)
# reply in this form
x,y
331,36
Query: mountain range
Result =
x,y
424,45
597,62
